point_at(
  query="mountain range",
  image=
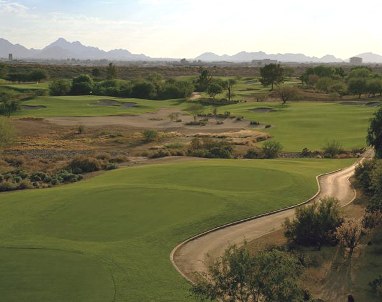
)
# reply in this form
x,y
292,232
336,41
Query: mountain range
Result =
x,y
62,50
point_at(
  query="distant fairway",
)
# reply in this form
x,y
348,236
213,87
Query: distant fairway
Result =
x,y
310,125
112,234
297,125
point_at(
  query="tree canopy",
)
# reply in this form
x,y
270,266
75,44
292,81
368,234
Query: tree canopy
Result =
x,y
374,133
271,74
239,276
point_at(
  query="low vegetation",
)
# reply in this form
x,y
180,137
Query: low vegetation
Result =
x,y
239,276
315,224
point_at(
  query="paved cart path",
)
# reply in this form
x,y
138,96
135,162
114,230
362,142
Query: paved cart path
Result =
x,y
191,256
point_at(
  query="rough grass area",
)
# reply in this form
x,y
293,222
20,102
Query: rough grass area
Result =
x,y
119,227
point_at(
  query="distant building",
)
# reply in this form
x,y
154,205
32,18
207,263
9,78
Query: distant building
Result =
x,y
10,57
264,62
355,61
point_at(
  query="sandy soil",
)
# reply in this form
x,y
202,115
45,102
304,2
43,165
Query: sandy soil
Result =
x,y
195,255
155,120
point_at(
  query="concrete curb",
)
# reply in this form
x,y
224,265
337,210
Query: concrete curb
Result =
x,y
174,251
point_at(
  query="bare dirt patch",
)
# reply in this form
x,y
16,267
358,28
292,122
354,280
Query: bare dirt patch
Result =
x,y
155,120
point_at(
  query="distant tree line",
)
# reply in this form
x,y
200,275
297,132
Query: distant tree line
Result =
x,y
35,75
152,87
358,81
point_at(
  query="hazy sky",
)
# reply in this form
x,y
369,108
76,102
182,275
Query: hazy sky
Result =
x,y
187,28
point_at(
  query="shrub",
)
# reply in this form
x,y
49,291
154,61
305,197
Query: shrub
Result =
x,y
59,87
253,153
376,285
143,90
271,149
84,165
332,149
150,135
210,148
82,85
306,152
315,224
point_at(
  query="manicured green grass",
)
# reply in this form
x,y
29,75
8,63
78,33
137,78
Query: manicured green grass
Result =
x,y
27,86
115,232
87,106
299,125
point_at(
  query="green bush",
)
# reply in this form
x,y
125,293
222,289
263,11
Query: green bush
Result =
x,y
332,149
210,148
271,149
253,153
315,224
150,135
84,164
59,87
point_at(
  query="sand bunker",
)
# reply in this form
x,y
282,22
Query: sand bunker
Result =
x,y
362,103
373,104
114,103
263,110
32,107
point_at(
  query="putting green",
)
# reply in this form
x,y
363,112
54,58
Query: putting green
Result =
x,y
123,224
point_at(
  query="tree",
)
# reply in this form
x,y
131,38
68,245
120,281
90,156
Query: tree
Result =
x,y
271,149
374,86
8,105
111,71
59,87
7,132
239,276
82,85
229,86
204,79
349,235
374,133
143,90
338,87
195,110
3,71
323,84
271,74
213,89
315,224
38,75
285,93
357,86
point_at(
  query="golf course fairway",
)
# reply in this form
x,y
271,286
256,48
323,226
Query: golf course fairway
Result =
x,y
108,238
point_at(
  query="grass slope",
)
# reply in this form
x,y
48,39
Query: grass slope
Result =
x,y
112,234
310,124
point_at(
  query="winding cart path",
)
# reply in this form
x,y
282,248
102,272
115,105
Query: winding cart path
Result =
x,y
194,254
